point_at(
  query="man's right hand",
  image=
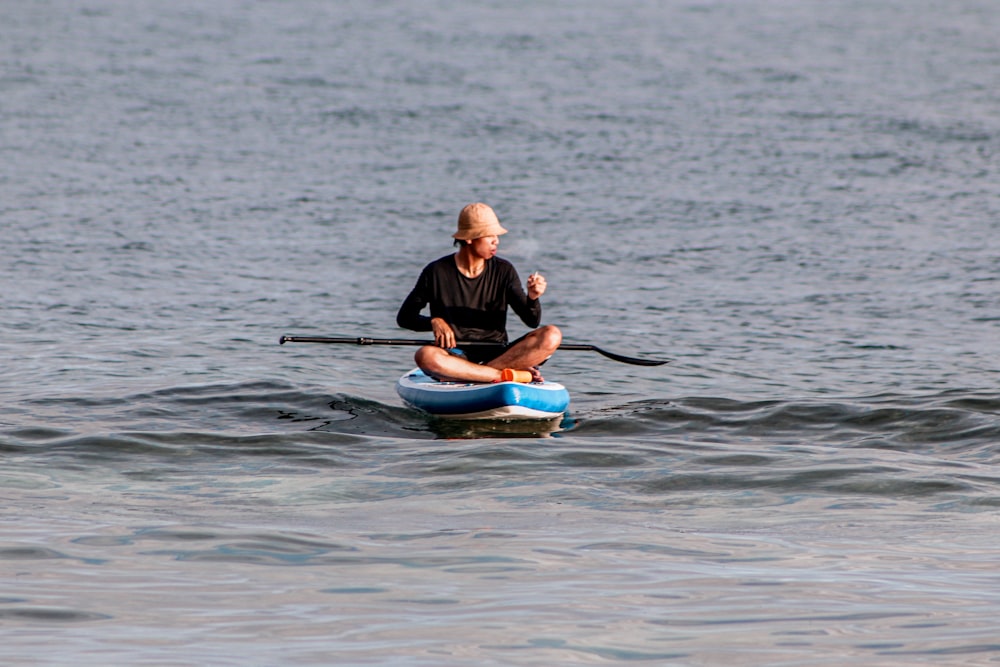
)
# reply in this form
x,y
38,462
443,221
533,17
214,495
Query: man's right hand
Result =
x,y
444,335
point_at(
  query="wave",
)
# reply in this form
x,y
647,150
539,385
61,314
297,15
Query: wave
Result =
x,y
856,452
252,416
960,424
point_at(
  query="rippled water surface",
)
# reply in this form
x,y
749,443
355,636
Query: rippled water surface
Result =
x,y
797,203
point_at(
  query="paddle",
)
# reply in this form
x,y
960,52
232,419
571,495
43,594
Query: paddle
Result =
x,y
408,341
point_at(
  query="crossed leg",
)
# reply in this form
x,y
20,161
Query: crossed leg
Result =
x,y
527,353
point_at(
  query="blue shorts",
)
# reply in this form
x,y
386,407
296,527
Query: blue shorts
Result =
x,y
480,354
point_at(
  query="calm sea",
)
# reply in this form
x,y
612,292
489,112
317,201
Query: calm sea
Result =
x,y
797,202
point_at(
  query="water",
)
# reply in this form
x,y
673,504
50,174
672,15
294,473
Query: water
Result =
x,y
796,202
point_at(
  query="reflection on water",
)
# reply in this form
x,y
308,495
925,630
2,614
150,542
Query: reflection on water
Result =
x,y
498,428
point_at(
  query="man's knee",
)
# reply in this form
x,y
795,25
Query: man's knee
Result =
x,y
549,337
427,356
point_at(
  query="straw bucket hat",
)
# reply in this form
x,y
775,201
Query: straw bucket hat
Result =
x,y
476,221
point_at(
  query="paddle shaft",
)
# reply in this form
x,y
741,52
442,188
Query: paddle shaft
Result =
x,y
462,343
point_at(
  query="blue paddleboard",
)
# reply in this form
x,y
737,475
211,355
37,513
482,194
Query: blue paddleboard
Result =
x,y
470,400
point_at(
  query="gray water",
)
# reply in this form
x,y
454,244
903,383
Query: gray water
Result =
x,y
798,203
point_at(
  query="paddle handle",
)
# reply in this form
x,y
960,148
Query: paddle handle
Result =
x,y
361,340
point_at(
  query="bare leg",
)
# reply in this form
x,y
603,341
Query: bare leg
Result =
x,y
437,362
532,350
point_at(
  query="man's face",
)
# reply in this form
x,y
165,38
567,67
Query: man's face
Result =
x,y
486,246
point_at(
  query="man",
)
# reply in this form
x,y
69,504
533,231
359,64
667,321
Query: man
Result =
x,y
468,293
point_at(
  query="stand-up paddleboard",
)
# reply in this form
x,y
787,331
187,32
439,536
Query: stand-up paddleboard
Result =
x,y
470,400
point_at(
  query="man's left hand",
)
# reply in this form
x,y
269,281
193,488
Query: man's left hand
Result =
x,y
536,285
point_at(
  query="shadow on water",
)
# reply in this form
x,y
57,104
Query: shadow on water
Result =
x,y
354,415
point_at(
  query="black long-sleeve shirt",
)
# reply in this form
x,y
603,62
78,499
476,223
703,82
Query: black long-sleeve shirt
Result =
x,y
476,308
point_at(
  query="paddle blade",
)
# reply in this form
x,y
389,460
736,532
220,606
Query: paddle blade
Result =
x,y
614,356
630,360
